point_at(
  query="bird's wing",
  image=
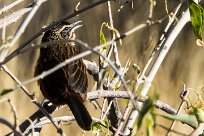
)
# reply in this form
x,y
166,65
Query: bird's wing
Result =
x,y
75,73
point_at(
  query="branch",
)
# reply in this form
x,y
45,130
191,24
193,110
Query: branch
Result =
x,y
6,8
183,96
165,48
114,114
198,131
123,94
93,95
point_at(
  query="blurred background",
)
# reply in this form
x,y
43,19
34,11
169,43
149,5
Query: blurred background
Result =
x,y
182,65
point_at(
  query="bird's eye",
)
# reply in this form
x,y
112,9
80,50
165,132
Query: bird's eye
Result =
x,y
66,28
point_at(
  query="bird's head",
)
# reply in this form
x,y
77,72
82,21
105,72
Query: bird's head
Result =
x,y
64,30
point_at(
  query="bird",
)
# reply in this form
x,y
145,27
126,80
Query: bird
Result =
x,y
67,85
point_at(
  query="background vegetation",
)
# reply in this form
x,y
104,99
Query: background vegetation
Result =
x,y
183,65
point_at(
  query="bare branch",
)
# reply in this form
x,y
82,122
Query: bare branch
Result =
x,y
93,95
123,94
183,95
166,46
6,8
198,131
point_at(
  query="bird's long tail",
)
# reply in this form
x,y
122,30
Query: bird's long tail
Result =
x,y
80,112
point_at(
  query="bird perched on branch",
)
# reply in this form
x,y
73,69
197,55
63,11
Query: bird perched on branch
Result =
x,y
68,85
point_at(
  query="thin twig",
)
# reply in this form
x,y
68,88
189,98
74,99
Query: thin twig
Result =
x,y
13,4
152,3
160,42
119,73
8,124
114,113
13,18
57,119
26,91
183,95
14,113
12,110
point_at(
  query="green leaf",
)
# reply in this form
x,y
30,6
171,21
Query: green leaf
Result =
x,y
96,126
5,91
105,123
148,105
149,124
117,85
103,51
102,36
197,16
187,119
199,113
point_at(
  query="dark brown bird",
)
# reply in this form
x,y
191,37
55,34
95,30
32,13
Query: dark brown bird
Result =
x,y
67,85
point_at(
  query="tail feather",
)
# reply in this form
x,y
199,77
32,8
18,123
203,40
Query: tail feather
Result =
x,y
80,113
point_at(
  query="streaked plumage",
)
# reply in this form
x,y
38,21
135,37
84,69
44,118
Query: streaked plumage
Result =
x,y
67,85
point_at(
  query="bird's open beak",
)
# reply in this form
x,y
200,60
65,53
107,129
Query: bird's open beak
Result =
x,y
76,25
